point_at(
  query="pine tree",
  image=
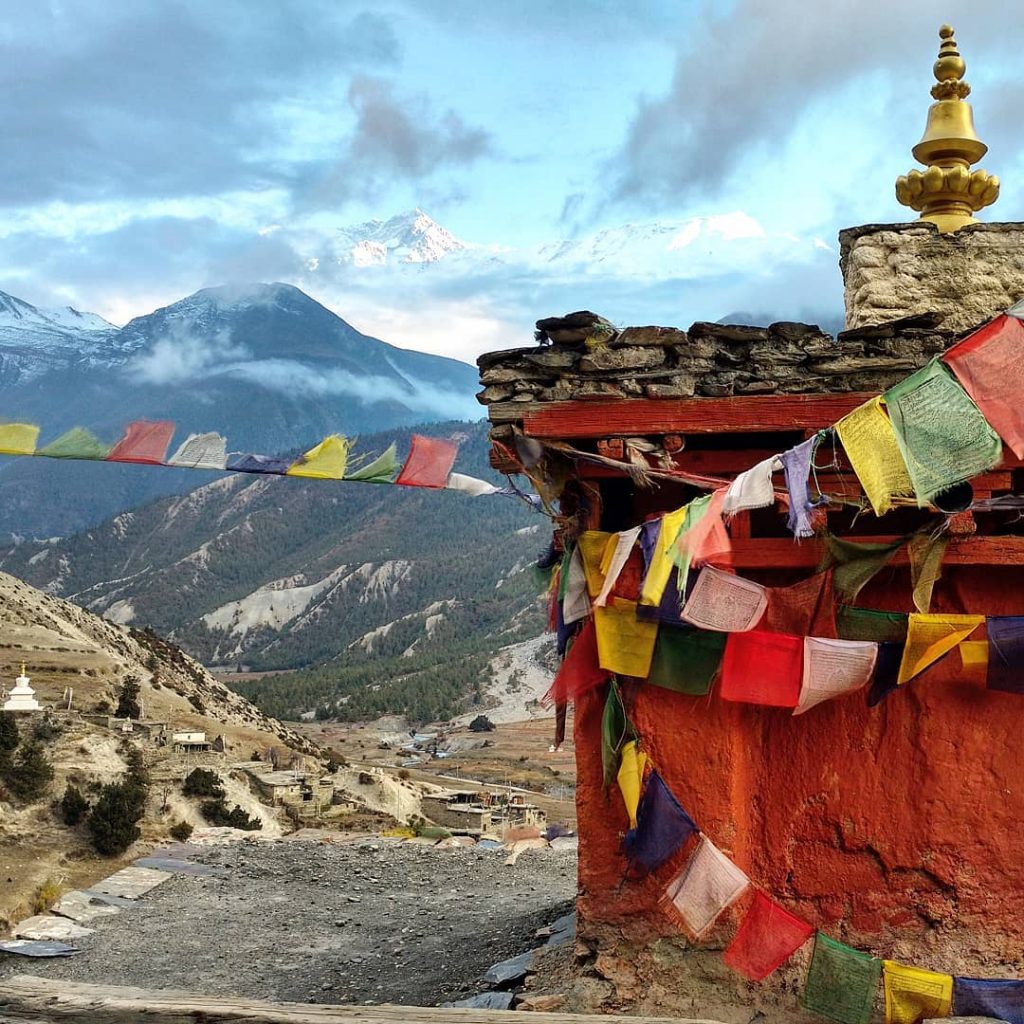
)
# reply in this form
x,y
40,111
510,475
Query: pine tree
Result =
x,y
128,699
112,823
29,774
8,731
73,806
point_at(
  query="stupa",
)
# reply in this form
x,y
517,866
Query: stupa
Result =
x,y
22,697
886,825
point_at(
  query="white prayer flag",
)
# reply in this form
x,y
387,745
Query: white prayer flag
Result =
x,y
708,885
834,667
201,451
471,485
576,603
612,564
725,603
752,488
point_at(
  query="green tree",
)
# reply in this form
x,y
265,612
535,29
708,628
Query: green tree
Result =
x,y
113,822
201,782
29,773
136,780
73,806
128,699
8,732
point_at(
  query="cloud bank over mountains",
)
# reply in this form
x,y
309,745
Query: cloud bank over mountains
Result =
x,y
662,163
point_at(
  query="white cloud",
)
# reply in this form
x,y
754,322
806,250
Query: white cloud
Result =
x,y
181,356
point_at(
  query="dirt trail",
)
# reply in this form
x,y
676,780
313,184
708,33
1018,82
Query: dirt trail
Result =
x,y
306,921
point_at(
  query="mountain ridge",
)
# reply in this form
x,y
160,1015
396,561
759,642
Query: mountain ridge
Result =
x,y
267,366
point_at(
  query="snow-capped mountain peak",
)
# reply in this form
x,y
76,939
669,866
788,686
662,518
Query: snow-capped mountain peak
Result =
x,y
411,237
15,312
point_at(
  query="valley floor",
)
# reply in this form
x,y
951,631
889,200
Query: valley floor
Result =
x,y
368,921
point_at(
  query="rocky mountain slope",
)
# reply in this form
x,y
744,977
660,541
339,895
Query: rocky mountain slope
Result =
x,y
66,647
391,599
265,365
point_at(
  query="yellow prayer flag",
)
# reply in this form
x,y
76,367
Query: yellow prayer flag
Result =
x,y
18,438
913,994
929,637
324,462
630,778
625,644
974,658
592,546
870,444
661,565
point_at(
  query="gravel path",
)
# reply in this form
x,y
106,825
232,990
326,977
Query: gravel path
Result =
x,y
310,922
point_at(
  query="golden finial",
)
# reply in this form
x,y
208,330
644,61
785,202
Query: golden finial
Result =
x,y
948,193
23,668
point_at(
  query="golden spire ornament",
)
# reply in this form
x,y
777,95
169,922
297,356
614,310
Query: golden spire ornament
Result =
x,y
948,193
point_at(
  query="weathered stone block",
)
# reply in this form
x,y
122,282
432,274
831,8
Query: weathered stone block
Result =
x,y
651,336
966,276
494,393
512,372
599,360
727,332
679,386
553,358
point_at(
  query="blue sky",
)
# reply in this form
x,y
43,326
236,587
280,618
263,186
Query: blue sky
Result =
x,y
155,148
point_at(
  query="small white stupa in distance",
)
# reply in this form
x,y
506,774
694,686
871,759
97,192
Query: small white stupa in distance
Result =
x,y
22,697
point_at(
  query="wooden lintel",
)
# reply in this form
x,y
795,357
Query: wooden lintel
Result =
x,y
29,998
785,553
643,416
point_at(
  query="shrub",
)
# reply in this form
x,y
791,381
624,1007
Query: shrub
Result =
x,y
180,831
8,731
73,806
45,896
403,773
46,730
128,699
112,823
29,773
216,813
481,724
202,782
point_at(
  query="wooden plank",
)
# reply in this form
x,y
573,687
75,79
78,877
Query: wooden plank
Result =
x,y
30,998
785,553
754,414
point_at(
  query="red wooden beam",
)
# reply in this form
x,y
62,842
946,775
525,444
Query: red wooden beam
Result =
x,y
760,413
783,553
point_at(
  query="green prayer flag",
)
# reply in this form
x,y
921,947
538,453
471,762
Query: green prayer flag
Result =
x,y
77,443
868,624
382,470
686,660
855,564
941,433
616,732
841,982
926,554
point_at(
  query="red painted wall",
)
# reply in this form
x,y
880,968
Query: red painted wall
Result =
x,y
900,822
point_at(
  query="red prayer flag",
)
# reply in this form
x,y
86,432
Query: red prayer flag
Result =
x,y
806,608
766,938
144,441
990,366
762,668
580,670
429,463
